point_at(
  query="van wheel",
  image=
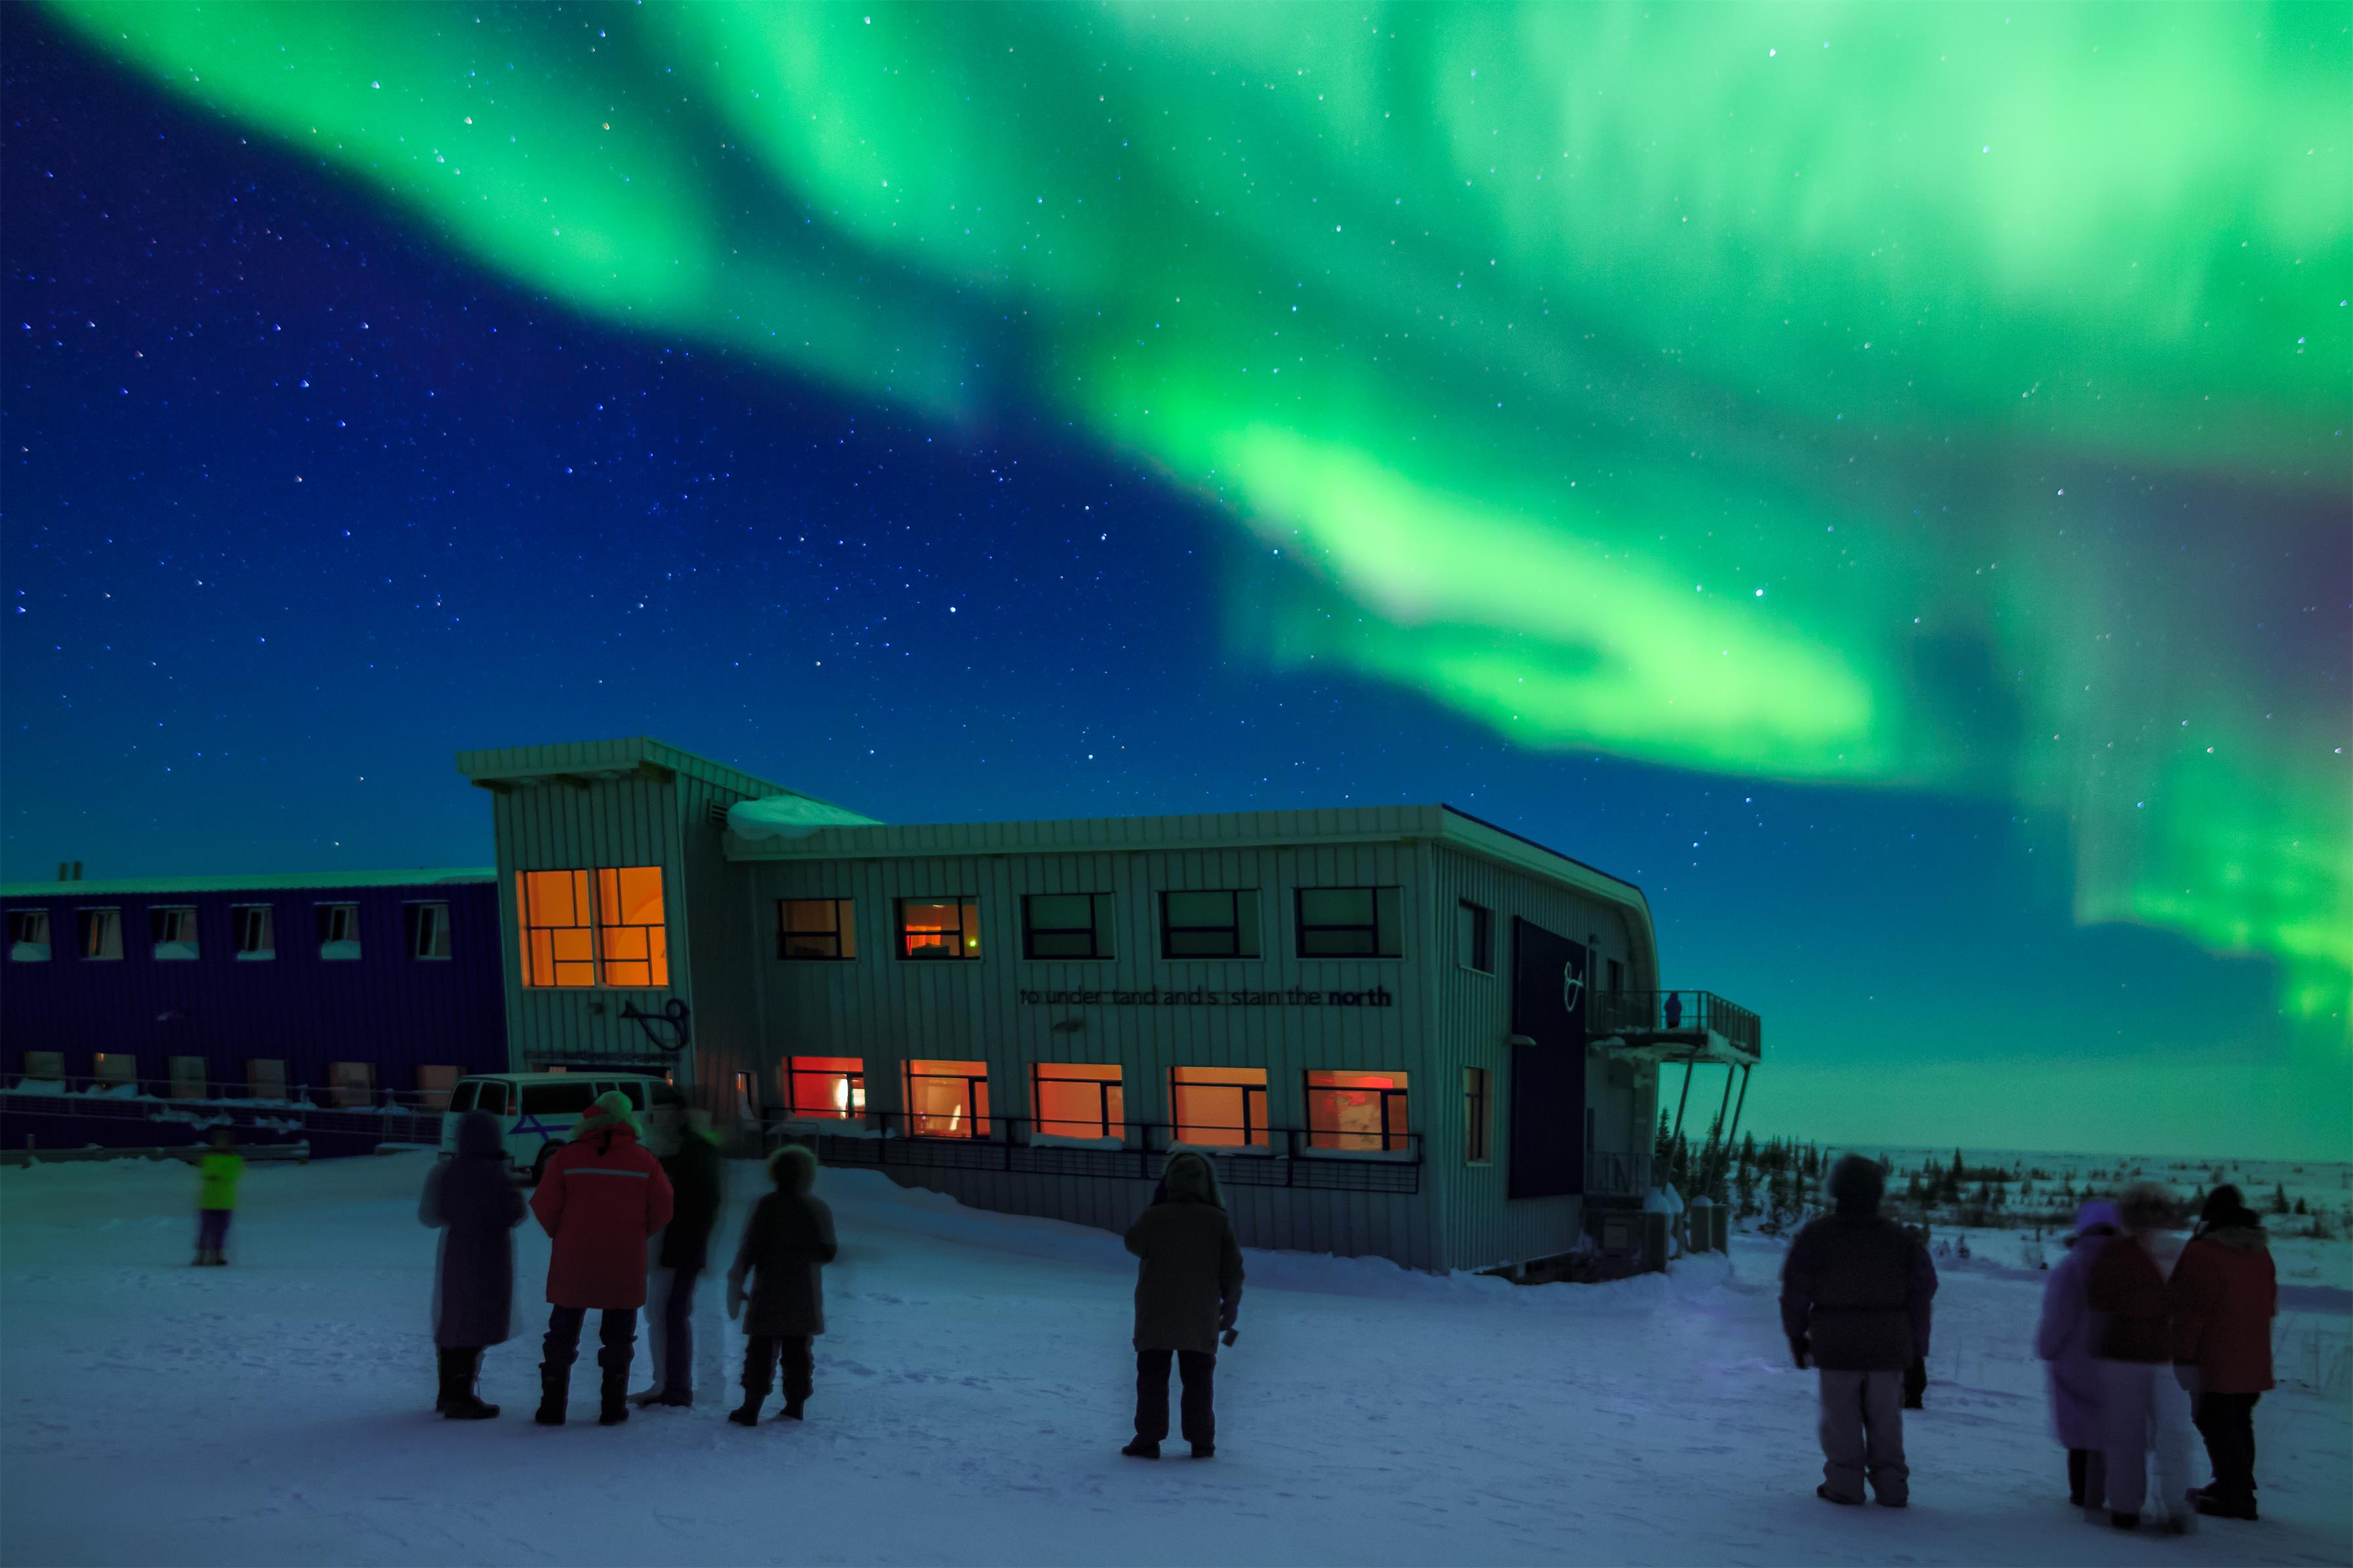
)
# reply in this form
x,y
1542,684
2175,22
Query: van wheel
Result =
x,y
539,1166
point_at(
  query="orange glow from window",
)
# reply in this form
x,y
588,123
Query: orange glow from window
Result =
x,y
1358,1110
829,1089
1076,1101
947,1100
1220,1107
558,941
939,928
635,943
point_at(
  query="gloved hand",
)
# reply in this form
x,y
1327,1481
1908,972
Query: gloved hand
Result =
x,y
735,1299
1227,1317
1801,1349
2187,1376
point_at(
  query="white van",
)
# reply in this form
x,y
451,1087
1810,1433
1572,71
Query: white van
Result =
x,y
537,1111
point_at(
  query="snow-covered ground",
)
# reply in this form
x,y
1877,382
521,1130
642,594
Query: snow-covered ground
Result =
x,y
972,1398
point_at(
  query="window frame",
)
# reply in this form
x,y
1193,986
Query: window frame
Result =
x,y
1478,1116
582,899
967,908
1242,921
1110,1119
100,1076
1482,934
428,921
1394,1140
240,927
330,946
176,1080
854,1111
1102,946
1388,916
654,934
19,935
94,927
158,915
254,1080
1256,1134
977,1114
843,935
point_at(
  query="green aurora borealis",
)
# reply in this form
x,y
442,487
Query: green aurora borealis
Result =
x,y
1752,389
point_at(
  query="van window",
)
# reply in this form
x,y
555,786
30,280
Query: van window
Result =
x,y
635,1090
493,1096
557,1099
461,1099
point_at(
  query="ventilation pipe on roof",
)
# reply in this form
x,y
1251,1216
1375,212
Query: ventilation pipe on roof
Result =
x,y
76,876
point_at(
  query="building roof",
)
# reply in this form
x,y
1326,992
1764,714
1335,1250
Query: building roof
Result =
x,y
258,883
639,755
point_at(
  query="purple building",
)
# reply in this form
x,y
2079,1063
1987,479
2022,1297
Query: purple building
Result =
x,y
359,987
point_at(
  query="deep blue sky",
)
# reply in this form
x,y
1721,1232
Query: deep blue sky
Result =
x,y
296,504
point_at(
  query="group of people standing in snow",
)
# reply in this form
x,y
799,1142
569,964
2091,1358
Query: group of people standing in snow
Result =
x,y
604,1196
2135,1356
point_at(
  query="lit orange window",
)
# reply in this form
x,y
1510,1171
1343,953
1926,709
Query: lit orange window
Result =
x,y
631,940
1077,1102
939,928
947,1100
1360,1110
1220,1107
830,1088
559,937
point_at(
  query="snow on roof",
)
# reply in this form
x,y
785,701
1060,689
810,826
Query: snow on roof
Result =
x,y
788,816
260,881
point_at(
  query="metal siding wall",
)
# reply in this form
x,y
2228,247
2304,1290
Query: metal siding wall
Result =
x,y
1483,1228
888,1011
383,1007
722,948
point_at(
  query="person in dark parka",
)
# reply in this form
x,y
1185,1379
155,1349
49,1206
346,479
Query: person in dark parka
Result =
x,y
471,1199
786,1244
1855,1302
2144,1411
1188,1289
2224,1296
695,1172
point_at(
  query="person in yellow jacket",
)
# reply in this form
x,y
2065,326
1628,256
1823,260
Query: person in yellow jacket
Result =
x,y
223,1167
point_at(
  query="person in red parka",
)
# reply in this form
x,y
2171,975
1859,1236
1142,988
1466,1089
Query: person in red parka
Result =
x,y
2223,1295
602,1196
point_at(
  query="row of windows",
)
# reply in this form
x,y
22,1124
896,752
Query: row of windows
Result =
x,y
1332,922
172,934
1210,1106
189,1077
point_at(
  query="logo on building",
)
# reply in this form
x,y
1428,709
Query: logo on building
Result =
x,y
1572,985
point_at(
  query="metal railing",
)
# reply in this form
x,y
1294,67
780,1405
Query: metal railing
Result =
x,y
1674,1013
1295,1157
390,1116
1612,1175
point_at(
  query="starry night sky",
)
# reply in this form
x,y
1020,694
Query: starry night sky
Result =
x,y
302,494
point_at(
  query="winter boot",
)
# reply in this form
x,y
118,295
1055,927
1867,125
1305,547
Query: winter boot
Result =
x,y
443,1364
748,1412
465,1405
1141,1449
1205,1450
613,1399
555,1392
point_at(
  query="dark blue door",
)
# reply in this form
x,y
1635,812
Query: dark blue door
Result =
x,y
1548,976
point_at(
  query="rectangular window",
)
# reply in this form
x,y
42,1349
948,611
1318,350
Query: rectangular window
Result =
x,y
497,1099
1364,1111
1210,926
115,1069
1474,937
1348,923
1066,925
265,1078
102,933
1477,1100
428,931
633,944
338,933
461,1099
251,926
1219,1107
559,937
190,1077
939,928
947,1100
1616,978
45,1066
1075,1101
434,1086
825,1089
28,936
558,1099
820,929
173,930
351,1083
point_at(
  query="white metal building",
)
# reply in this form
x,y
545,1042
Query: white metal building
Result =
x,y
1399,1031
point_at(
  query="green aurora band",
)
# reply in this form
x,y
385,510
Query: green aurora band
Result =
x,y
1595,368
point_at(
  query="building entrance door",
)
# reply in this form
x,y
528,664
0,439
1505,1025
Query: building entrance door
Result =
x,y
1549,983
